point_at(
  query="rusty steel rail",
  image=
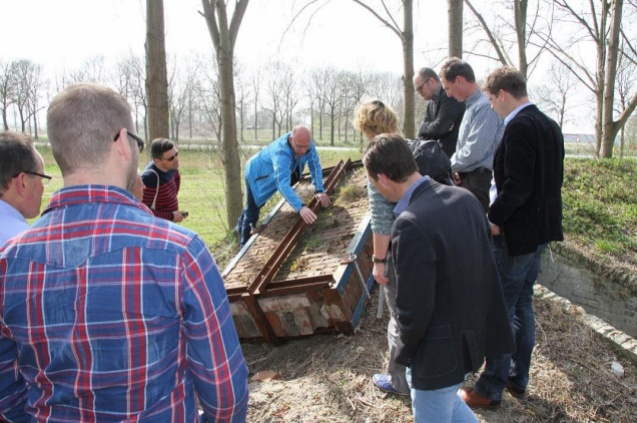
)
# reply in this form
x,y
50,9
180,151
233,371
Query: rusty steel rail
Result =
x,y
260,285
269,269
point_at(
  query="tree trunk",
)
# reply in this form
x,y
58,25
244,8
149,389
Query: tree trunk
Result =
x,y
224,35
519,11
156,74
609,132
454,14
409,123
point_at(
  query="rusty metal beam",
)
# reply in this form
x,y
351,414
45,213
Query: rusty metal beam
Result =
x,y
269,269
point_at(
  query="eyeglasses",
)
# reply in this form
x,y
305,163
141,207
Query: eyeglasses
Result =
x,y
171,158
45,178
140,142
419,87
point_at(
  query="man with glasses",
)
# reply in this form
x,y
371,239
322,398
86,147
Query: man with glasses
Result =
x,y
109,313
22,181
162,180
276,168
443,114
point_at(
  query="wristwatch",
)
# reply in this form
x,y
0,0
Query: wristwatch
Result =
x,y
377,260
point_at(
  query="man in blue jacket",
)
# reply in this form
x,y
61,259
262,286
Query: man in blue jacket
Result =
x,y
276,168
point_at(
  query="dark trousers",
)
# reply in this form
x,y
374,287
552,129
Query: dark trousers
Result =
x,y
478,182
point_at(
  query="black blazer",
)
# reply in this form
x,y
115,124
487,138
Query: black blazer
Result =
x,y
451,310
442,121
528,168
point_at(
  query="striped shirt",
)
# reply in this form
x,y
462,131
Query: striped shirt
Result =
x,y
480,133
115,315
165,201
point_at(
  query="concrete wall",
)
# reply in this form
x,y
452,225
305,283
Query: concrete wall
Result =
x,y
607,293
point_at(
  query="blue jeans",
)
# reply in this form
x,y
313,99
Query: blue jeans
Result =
x,y
439,405
248,218
517,276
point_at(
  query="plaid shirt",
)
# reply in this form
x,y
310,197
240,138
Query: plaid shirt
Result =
x,y
110,314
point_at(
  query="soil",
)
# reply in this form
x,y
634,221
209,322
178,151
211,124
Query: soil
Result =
x,y
327,378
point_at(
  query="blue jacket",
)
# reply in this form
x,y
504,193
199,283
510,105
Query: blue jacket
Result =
x,y
271,168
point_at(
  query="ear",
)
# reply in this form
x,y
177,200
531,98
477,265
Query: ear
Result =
x,y
21,184
122,145
383,180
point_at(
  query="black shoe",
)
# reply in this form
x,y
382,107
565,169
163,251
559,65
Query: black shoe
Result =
x,y
515,391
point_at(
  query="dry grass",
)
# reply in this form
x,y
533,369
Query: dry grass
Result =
x,y
327,378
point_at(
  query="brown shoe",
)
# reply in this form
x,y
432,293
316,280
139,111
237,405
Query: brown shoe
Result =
x,y
515,391
475,400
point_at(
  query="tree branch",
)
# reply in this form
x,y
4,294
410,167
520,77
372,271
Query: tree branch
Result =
x,y
396,28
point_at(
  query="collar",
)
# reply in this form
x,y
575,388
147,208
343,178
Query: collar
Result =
x,y
406,199
82,194
8,210
473,97
515,111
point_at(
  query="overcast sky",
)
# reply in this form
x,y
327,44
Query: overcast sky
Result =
x,y
66,33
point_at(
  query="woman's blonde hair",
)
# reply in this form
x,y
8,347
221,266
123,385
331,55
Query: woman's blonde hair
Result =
x,y
374,118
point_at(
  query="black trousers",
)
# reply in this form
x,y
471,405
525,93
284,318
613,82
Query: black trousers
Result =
x,y
478,181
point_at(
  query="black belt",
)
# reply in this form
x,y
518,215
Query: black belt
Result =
x,y
476,171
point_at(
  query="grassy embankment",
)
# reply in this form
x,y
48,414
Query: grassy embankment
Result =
x,y
600,199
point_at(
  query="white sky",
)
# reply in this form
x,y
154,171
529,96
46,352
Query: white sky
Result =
x,y
66,33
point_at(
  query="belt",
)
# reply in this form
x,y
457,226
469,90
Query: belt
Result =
x,y
476,171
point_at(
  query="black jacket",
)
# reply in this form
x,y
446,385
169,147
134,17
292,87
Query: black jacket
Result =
x,y
528,168
442,121
451,310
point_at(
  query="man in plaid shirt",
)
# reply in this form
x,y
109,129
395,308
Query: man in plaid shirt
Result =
x,y
108,313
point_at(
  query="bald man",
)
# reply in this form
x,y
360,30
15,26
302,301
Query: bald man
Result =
x,y
276,168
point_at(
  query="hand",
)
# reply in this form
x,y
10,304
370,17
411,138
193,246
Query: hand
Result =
x,y
456,178
379,273
495,229
178,217
323,199
307,215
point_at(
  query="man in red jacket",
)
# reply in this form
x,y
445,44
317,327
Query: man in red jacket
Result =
x,y
161,181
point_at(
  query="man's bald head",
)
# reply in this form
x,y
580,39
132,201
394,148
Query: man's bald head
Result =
x,y
300,140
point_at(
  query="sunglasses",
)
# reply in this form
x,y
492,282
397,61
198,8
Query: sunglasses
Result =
x,y
140,142
171,158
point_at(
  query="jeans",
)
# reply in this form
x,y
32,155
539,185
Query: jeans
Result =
x,y
439,405
394,370
248,218
517,276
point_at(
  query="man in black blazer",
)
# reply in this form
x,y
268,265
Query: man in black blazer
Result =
x,y
451,310
525,214
443,114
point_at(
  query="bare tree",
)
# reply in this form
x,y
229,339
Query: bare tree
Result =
x,y
156,73
598,23
224,36
406,35
27,85
554,97
513,32
7,89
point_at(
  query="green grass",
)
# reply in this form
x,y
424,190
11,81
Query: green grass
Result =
x,y
600,207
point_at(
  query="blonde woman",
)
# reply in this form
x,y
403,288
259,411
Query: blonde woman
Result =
x,y
374,118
